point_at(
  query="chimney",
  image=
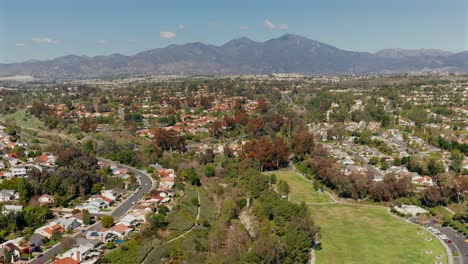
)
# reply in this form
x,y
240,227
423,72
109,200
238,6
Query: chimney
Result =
x,y
78,256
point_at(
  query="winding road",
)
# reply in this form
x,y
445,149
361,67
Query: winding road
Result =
x,y
146,184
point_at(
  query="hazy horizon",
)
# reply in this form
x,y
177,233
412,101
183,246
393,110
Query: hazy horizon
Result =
x,y
32,30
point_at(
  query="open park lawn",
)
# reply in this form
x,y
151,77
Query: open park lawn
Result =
x,y
22,119
301,189
363,234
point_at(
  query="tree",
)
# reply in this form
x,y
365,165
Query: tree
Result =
x,y
88,146
38,109
23,190
207,156
107,221
158,220
271,154
229,210
209,170
86,217
297,245
97,188
384,165
365,137
397,162
190,175
431,196
169,140
162,209
374,160
262,106
215,129
283,187
256,126
418,115
110,245
435,166
302,143
391,188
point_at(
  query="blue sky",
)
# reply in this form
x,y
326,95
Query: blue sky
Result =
x,y
44,29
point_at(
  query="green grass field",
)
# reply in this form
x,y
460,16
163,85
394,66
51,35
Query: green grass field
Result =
x,y
189,242
301,189
363,234
23,120
183,218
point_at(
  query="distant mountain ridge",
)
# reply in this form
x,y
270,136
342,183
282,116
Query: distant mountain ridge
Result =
x,y
286,54
404,53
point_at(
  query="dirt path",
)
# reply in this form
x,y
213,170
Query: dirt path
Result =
x,y
246,220
181,235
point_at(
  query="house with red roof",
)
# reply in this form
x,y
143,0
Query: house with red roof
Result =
x,y
67,260
426,180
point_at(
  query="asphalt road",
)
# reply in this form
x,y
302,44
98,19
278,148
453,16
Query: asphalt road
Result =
x,y
458,247
458,243
377,174
145,186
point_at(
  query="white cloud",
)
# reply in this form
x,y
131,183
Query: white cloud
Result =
x,y
181,26
167,34
20,44
44,40
270,25
244,28
103,42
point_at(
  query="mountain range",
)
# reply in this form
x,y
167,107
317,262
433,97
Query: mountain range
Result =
x,y
286,54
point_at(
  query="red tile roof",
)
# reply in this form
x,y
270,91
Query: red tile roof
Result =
x,y
50,230
67,260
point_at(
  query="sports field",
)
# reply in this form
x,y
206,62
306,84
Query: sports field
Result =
x,y
363,234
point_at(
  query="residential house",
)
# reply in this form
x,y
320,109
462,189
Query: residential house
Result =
x,y
66,260
68,223
9,208
37,239
19,172
79,253
129,220
46,159
50,229
78,216
8,195
426,180
13,248
91,208
101,236
113,194
13,251
167,182
120,230
97,201
92,243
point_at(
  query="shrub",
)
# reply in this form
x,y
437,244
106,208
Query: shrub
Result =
x,y
242,202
